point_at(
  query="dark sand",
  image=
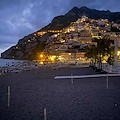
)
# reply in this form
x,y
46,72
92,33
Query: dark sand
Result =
x,y
86,99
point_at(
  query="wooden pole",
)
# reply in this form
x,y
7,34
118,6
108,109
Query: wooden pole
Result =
x,y
45,114
8,96
71,79
107,84
107,77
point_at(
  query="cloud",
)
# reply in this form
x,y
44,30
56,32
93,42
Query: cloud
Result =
x,y
7,41
22,17
5,46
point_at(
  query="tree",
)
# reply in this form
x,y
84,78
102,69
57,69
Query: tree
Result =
x,y
103,49
92,53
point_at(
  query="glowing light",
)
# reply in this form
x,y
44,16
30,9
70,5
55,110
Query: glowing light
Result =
x,y
52,59
98,28
41,63
62,41
41,55
60,58
118,53
55,35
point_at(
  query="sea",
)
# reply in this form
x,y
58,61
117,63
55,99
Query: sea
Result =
x,y
5,62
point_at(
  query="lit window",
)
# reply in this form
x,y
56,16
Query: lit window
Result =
x,y
118,53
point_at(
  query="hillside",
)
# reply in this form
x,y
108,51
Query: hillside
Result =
x,y
31,45
62,21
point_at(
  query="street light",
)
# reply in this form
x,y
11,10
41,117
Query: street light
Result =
x,y
41,55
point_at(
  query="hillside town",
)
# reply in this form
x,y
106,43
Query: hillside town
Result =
x,y
70,44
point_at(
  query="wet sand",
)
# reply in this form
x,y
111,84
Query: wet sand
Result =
x,y
86,99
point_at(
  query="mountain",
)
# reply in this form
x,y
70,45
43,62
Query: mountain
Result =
x,y
62,21
31,45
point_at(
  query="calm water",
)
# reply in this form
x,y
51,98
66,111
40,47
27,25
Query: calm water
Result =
x,y
3,62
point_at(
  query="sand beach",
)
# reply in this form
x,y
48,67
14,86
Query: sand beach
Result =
x,y
33,91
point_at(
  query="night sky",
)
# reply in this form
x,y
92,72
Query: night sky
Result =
x,y
19,18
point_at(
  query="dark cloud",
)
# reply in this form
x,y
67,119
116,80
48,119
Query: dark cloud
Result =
x,y
7,41
21,17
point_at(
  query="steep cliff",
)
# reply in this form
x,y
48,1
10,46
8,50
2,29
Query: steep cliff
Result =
x,y
27,48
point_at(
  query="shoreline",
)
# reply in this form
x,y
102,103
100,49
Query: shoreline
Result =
x,y
5,62
20,66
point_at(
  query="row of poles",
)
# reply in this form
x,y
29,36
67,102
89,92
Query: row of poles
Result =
x,y
107,85
45,111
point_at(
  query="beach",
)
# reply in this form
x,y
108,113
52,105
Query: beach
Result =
x,y
36,90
